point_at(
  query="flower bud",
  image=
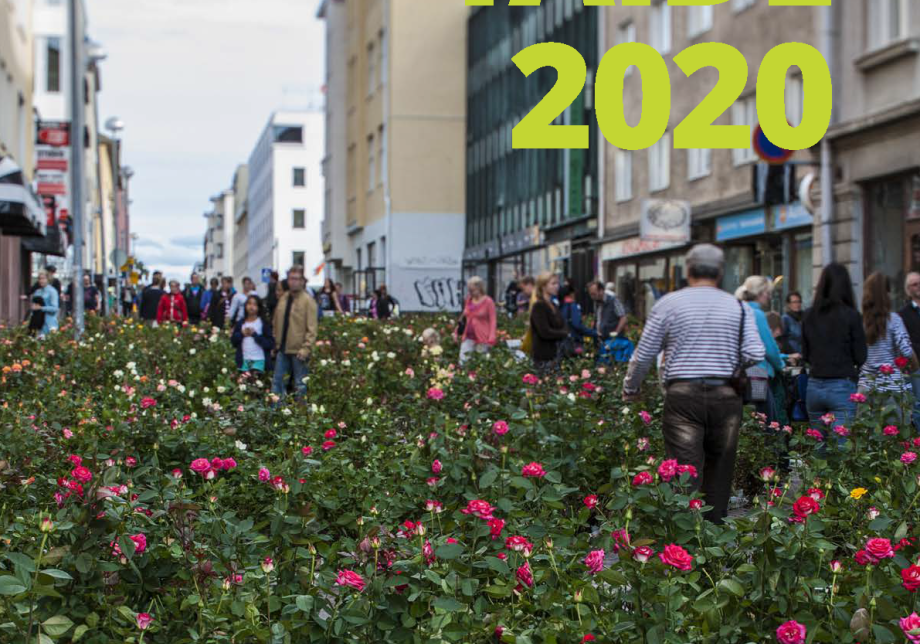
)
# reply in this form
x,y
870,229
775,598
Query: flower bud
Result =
x,y
420,528
268,565
360,521
375,543
549,543
311,549
629,514
47,525
226,584
578,596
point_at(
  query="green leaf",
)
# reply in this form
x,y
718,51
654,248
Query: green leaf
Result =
x,y
449,551
57,625
22,561
883,635
497,565
127,546
487,479
57,574
79,632
9,585
304,603
901,532
448,604
732,586
84,563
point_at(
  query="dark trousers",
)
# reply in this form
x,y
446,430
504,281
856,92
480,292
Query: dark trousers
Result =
x,y
701,425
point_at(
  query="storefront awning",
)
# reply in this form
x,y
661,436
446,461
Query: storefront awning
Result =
x,y
21,212
53,243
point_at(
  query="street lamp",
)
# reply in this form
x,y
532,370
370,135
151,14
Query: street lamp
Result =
x,y
115,125
95,54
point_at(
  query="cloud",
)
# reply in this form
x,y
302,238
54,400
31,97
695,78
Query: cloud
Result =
x,y
188,241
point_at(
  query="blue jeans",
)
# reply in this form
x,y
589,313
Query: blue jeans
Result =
x,y
290,364
915,383
830,395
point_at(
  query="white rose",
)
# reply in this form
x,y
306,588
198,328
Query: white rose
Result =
x,y
206,390
391,355
346,363
180,389
192,352
221,389
286,411
240,445
206,402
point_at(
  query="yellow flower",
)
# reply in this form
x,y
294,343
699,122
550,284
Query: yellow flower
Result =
x,y
857,493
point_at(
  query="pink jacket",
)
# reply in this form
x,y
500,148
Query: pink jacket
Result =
x,y
480,321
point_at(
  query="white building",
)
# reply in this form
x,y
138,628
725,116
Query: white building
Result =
x,y
218,240
241,225
285,196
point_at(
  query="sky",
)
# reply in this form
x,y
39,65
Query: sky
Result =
x,y
195,82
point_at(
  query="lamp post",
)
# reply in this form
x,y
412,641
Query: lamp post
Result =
x,y
95,54
75,22
115,125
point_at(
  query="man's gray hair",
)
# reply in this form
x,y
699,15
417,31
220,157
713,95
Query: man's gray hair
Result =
x,y
706,256
908,278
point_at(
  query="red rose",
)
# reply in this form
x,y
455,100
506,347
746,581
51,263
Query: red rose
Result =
x,y
591,501
805,506
879,549
675,556
901,363
911,578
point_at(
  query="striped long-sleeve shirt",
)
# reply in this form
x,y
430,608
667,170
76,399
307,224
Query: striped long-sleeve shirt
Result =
x,y
895,344
697,328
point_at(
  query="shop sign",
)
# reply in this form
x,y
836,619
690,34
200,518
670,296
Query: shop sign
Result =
x,y
744,224
633,246
791,215
665,220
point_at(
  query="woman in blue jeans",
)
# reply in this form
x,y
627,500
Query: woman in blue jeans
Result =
x,y
756,292
834,347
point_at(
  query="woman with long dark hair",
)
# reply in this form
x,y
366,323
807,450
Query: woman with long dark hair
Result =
x,y
253,338
834,346
328,299
887,338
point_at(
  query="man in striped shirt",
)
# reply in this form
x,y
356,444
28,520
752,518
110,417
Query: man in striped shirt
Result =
x,y
698,330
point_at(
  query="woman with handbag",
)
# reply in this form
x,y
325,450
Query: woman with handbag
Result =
x,y
478,324
834,348
547,328
756,293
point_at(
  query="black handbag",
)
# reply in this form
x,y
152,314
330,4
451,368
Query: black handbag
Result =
x,y
751,383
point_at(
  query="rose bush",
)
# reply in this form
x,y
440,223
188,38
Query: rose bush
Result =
x,y
151,494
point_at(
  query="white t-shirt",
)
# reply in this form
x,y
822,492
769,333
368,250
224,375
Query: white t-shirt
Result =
x,y
251,350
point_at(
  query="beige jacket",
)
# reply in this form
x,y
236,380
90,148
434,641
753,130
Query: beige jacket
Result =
x,y
304,324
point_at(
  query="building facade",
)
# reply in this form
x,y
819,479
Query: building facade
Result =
x,y
528,211
285,196
875,139
715,186
218,239
241,224
394,164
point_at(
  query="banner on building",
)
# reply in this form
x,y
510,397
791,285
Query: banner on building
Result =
x,y
665,220
52,163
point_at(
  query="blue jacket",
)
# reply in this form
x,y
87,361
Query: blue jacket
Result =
x,y
793,329
774,361
51,307
266,340
571,313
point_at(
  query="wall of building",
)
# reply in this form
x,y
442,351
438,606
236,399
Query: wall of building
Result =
x,y
241,224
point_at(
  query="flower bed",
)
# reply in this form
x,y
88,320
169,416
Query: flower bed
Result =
x,y
150,495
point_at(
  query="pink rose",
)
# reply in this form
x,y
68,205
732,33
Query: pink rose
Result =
x,y
480,509
433,506
130,461
495,528
687,469
67,433
140,542
816,494
891,430
143,621
879,549
840,430
436,467
910,578
836,566
201,466
500,427
767,474
676,557
815,434
177,473
264,475
696,504
229,463
518,544
350,579
791,633
642,444
148,402
432,481
858,398
435,394
530,379
330,434
645,416
81,474
908,457
328,445
620,540
524,575
643,554
595,561
862,558
667,470
901,362
75,460
533,470
910,625
886,370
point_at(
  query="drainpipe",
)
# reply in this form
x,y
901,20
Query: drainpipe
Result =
x,y
601,152
829,45
387,203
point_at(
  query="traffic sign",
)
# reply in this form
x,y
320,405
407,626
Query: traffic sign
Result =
x,y
767,151
266,275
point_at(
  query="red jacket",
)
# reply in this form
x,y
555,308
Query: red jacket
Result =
x,y
172,309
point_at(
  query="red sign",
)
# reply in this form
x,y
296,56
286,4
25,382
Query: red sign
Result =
x,y
55,133
767,151
52,164
52,188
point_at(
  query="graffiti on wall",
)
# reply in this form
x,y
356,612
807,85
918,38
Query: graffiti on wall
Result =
x,y
439,293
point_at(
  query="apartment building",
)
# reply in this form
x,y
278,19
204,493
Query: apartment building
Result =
x,y
241,223
717,184
218,239
285,196
394,162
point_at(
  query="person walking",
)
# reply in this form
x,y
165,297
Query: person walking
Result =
x,y
756,293
208,297
295,328
172,307
219,306
833,347
574,344
344,303
547,327
51,305
707,336
384,305
271,296
888,340
238,303
328,301
92,300
252,336
481,323
910,314
792,322
610,316
150,299
194,296
127,301
525,294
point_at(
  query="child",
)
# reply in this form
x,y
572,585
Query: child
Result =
x,y
253,339
37,316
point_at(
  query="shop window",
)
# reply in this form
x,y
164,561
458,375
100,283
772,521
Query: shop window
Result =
x,y
886,239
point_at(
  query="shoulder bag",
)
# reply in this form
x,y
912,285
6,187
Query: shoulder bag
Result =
x,y
753,383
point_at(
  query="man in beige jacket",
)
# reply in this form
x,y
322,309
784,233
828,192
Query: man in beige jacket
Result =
x,y
295,325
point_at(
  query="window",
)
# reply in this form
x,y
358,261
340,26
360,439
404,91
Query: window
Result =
x,y
220,251
887,22
300,178
744,112
371,70
741,5
371,255
300,216
659,164
623,168
53,66
382,153
298,258
627,33
660,27
699,20
220,222
287,133
358,259
371,170
699,163
795,100
384,58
